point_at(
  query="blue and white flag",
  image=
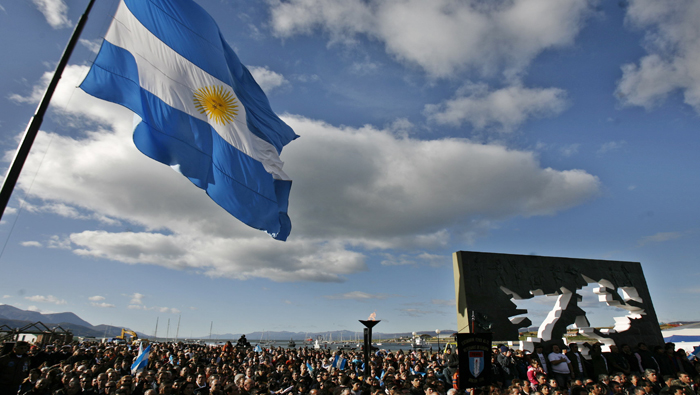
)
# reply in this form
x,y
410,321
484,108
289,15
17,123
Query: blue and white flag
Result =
x,y
696,353
201,110
339,362
141,360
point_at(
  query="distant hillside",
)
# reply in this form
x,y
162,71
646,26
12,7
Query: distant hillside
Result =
x,y
18,318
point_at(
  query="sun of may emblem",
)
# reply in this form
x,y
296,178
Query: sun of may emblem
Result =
x,y
219,104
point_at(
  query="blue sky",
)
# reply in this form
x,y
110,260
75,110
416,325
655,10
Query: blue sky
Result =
x,y
549,127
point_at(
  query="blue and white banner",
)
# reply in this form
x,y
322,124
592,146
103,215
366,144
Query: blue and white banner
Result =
x,y
339,362
141,361
201,110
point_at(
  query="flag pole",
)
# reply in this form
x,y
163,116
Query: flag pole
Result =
x,y
30,133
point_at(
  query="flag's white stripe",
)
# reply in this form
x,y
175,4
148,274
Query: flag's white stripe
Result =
x,y
178,86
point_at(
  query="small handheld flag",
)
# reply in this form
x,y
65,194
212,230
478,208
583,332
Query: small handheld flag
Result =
x,y
141,360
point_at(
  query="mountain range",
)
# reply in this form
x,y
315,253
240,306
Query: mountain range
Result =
x,y
13,317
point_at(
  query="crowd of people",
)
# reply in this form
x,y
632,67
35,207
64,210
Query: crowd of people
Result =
x,y
178,368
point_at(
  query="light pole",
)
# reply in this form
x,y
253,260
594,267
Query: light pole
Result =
x,y
437,331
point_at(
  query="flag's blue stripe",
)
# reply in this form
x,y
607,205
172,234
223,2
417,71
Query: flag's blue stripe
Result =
x,y
191,32
186,28
235,181
141,360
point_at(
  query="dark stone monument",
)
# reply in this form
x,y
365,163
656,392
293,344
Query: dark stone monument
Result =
x,y
485,283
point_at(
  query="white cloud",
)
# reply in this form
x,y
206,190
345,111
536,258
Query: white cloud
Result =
x,y
435,260
569,150
66,211
441,36
254,257
96,298
92,45
398,260
413,312
136,298
364,68
357,295
611,146
267,79
360,183
54,11
60,243
392,259
307,78
10,210
103,305
503,109
660,237
672,64
354,188
30,244
171,310
45,299
443,302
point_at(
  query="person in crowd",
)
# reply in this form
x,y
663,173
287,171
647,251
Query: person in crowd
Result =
x,y
645,358
599,365
533,370
14,368
664,357
616,361
451,364
539,354
578,362
651,378
507,361
631,359
561,366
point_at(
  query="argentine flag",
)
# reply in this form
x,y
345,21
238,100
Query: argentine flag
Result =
x,y
141,360
339,362
201,110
